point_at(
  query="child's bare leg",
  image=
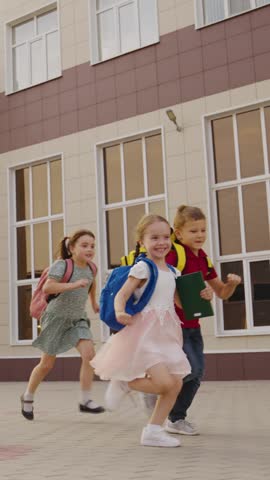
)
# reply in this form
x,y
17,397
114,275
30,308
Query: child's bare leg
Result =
x,y
161,382
40,372
87,352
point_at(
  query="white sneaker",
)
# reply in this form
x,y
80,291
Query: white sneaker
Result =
x,y
158,439
148,402
183,427
115,393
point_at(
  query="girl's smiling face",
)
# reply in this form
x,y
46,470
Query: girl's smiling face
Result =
x,y
157,240
192,234
84,249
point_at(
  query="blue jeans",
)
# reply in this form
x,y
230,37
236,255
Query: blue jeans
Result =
x,y
193,348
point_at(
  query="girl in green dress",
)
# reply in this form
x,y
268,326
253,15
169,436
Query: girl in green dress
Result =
x,y
64,323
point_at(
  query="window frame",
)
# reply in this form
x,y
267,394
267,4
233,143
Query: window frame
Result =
x,y
13,224
199,12
101,206
212,187
93,30
8,47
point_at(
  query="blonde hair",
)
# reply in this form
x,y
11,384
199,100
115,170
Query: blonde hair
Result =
x,y
145,222
186,213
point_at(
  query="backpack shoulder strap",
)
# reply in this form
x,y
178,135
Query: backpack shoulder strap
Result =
x,y
93,267
171,268
209,263
181,256
69,270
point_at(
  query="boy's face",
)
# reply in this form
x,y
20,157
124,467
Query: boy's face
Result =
x,y
192,234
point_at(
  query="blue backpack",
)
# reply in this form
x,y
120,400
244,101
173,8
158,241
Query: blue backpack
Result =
x,y
115,281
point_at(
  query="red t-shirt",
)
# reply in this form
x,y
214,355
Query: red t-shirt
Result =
x,y
194,263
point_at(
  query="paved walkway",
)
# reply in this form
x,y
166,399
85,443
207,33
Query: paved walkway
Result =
x,y
234,419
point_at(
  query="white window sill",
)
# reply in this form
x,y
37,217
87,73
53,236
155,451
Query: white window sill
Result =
x,y
199,27
11,92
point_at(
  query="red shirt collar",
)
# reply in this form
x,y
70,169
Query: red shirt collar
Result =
x,y
189,253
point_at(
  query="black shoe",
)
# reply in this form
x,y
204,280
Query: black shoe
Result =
x,y
89,409
27,415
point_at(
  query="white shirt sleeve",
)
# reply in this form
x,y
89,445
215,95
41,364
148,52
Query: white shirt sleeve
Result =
x,y
139,270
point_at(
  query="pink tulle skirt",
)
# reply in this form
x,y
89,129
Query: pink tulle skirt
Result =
x,y
155,337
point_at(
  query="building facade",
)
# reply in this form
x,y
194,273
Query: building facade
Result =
x,y
85,141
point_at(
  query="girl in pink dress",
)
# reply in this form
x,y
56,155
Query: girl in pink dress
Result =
x,y
147,354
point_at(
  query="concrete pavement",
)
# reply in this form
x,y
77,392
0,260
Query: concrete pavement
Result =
x,y
233,417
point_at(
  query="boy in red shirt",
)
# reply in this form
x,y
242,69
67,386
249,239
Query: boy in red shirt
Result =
x,y
190,232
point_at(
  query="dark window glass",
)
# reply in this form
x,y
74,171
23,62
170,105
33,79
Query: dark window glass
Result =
x,y
22,194
115,232
224,152
23,253
234,308
25,321
260,281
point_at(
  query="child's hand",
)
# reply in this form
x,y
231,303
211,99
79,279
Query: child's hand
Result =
x,y
207,293
95,307
83,282
233,279
124,318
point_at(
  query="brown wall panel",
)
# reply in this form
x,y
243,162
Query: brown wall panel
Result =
x,y
183,66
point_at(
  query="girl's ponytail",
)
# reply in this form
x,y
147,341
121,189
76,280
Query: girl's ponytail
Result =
x,y
137,250
64,250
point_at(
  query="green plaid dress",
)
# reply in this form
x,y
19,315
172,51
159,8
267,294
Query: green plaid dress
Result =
x,y
65,320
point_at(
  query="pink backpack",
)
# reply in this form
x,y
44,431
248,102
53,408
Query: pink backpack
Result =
x,y
40,300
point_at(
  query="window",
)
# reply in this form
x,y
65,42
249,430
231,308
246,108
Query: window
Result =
x,y
38,229
133,173
211,11
33,50
240,190
120,26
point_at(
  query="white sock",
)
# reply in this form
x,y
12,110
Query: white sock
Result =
x,y
151,427
28,407
85,396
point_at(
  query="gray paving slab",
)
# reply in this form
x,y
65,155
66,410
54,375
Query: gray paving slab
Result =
x,y
233,417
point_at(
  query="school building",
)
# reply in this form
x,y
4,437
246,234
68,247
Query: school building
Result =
x,y
113,108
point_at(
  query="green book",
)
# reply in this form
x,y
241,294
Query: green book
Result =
x,y
189,287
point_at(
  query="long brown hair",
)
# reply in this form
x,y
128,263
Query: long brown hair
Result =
x,y
70,241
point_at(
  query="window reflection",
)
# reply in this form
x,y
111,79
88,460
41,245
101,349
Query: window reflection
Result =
x,y
256,217
115,232
134,214
228,218
250,143
158,208
56,187
25,321
40,190
22,194
57,235
23,253
224,151
112,174
154,165
260,281
133,161
234,308
41,248
267,127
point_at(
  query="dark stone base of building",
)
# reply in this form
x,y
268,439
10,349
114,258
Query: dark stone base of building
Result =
x,y
222,366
